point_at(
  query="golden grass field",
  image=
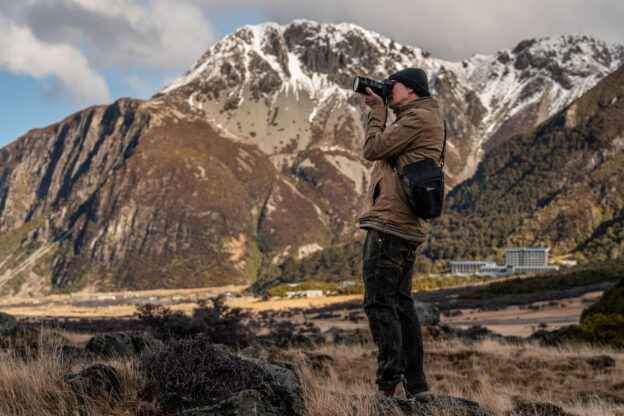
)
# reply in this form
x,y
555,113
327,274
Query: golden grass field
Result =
x,y
67,305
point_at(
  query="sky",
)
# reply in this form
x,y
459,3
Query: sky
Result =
x,y
60,56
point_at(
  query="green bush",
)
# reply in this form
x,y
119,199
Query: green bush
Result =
x,y
602,329
611,302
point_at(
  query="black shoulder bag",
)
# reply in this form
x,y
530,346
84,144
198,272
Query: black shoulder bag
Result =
x,y
423,183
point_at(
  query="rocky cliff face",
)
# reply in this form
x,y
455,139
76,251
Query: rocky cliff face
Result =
x,y
139,195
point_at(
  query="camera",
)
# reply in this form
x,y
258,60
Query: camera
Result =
x,y
382,88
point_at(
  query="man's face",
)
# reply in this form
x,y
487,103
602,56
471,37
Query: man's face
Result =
x,y
400,95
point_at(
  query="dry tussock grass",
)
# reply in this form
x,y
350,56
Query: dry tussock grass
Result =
x,y
33,384
581,380
339,380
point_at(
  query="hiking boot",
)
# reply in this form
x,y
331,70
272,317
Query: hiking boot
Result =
x,y
397,392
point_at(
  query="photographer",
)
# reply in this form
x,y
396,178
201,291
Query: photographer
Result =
x,y
393,230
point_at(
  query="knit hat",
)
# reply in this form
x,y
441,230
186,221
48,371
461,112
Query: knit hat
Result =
x,y
414,78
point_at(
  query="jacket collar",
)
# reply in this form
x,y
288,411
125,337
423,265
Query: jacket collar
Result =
x,y
417,103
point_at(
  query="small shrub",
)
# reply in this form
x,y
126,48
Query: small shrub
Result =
x,y
217,321
192,371
611,302
601,329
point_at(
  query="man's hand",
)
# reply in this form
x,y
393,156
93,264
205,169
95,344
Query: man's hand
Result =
x,y
371,99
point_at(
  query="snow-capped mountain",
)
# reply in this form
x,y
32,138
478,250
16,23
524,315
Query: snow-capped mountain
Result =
x,y
251,161
288,89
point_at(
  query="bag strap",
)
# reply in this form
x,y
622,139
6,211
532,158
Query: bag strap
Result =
x,y
443,147
393,163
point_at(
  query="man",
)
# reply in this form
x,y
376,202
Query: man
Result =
x,y
394,232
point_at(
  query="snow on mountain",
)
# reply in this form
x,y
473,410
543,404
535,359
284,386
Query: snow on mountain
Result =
x,y
287,88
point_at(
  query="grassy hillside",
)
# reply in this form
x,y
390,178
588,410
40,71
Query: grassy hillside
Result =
x,y
558,185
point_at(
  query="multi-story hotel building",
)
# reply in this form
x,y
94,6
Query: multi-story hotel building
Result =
x,y
518,260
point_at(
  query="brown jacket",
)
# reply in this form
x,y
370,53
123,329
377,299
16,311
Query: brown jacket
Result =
x,y
416,134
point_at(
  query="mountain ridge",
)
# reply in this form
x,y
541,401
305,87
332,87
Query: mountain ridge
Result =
x,y
176,191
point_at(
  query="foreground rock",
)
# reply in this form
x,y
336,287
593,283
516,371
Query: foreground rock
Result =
x,y
554,338
95,379
120,344
434,405
527,408
427,313
8,324
194,377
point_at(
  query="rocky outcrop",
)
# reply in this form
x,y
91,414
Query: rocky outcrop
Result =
x,y
95,379
120,344
195,377
8,324
437,404
427,313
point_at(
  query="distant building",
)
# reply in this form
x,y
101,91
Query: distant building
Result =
x,y
527,257
305,293
467,268
520,260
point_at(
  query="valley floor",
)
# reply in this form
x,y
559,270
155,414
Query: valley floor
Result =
x,y
518,320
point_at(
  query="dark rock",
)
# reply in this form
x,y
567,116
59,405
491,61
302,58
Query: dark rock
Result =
x,y
433,405
95,379
8,324
250,352
476,333
120,344
526,408
553,338
427,313
193,374
285,385
246,402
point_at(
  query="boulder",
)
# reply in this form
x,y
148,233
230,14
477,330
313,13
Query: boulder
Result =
x,y
285,385
246,402
433,405
95,379
120,344
553,338
8,324
199,378
526,408
427,313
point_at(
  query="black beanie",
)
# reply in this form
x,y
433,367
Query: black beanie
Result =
x,y
414,78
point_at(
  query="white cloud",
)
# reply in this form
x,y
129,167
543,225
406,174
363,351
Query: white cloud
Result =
x,y
22,53
71,40
455,29
155,33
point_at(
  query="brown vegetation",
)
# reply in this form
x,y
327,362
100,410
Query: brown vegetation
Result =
x,y
339,379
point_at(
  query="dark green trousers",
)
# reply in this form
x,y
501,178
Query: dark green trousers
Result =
x,y
388,265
